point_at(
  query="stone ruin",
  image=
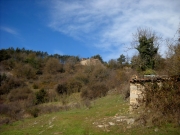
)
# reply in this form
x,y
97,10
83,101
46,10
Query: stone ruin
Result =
x,y
90,61
137,88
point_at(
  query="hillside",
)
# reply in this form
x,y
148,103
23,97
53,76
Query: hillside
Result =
x,y
54,94
31,78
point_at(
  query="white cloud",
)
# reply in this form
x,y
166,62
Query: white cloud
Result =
x,y
109,24
9,30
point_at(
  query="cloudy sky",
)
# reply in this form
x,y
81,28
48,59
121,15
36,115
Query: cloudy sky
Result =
x,y
84,27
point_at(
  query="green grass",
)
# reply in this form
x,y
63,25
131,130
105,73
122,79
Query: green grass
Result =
x,y
80,121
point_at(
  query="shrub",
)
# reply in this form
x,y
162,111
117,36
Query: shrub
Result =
x,y
87,103
3,77
73,86
41,96
10,83
34,112
19,94
99,74
61,88
94,91
69,66
163,101
49,109
11,110
35,86
98,90
69,87
4,121
25,71
85,92
149,72
53,66
125,91
82,77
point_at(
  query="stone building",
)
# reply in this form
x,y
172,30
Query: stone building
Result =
x,y
90,61
137,88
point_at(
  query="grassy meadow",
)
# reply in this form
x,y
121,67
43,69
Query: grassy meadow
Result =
x,y
86,121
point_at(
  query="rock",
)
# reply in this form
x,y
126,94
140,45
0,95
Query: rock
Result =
x,y
120,117
51,126
130,121
53,118
100,126
111,123
156,129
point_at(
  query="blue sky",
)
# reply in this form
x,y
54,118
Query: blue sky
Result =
x,y
85,27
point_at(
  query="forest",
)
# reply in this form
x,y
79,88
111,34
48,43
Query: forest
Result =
x,y
31,80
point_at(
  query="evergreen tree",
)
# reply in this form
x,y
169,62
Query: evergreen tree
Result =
x,y
121,59
98,57
146,43
147,52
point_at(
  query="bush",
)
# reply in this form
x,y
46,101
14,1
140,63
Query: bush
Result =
x,y
49,109
41,97
10,83
53,66
3,77
25,71
34,112
69,87
87,103
149,72
82,77
4,55
85,92
99,74
4,121
94,91
19,94
61,88
35,86
73,86
11,110
163,101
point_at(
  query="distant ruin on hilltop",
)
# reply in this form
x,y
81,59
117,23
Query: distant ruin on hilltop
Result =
x,y
90,61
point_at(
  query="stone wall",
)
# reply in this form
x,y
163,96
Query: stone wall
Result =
x,y
136,93
137,88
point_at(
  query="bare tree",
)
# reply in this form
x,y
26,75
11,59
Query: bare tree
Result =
x,y
173,56
145,32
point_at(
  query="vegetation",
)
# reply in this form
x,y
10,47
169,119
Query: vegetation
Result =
x,y
82,121
146,43
33,78
33,83
161,103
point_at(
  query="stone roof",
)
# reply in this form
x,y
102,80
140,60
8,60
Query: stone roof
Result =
x,y
154,78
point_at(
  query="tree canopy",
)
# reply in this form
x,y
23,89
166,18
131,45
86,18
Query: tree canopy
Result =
x,y
147,46
121,59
